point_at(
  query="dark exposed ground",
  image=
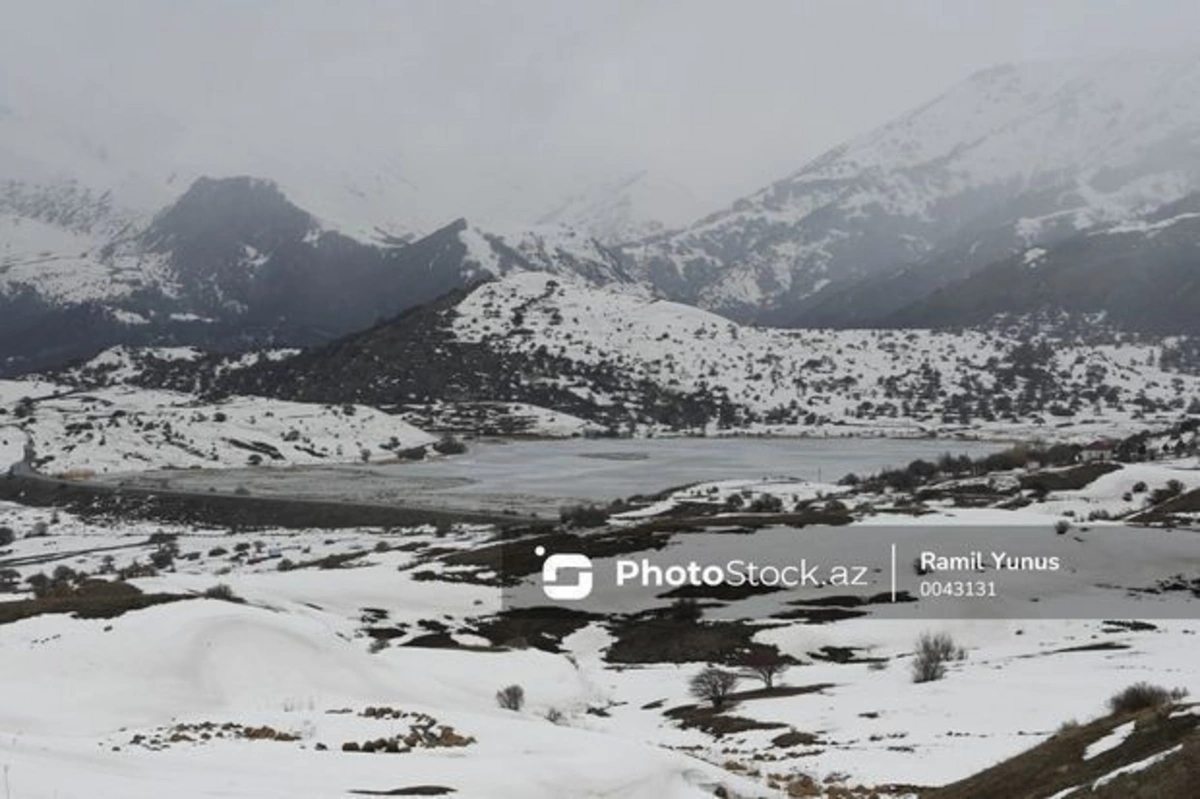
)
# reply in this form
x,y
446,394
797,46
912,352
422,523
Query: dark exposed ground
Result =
x,y
1058,764
241,511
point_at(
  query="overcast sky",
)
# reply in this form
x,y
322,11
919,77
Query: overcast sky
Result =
x,y
530,99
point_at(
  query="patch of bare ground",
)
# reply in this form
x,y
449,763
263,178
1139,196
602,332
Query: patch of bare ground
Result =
x,y
717,723
1073,478
1174,512
748,522
90,599
340,560
663,638
843,655
804,786
1100,646
824,610
1159,759
206,731
540,628
513,559
412,790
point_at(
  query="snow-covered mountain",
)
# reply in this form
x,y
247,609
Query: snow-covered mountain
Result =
x,y
231,264
634,207
95,252
1141,274
1015,156
627,361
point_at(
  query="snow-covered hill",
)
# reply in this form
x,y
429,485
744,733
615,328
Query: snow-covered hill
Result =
x,y
870,377
1013,157
122,429
626,360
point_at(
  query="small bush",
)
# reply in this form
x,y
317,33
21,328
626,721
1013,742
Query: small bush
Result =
x,y
1172,489
1062,526
934,651
221,591
1067,727
511,698
583,516
450,446
766,503
1142,696
39,584
686,609
162,558
7,536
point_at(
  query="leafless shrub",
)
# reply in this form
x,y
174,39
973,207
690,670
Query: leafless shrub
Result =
x,y
934,651
1143,695
511,698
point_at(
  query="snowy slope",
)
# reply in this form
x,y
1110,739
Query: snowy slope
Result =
x,y
813,380
118,705
627,209
500,250
127,429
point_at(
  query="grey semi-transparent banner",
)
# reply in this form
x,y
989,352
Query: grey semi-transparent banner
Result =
x,y
900,571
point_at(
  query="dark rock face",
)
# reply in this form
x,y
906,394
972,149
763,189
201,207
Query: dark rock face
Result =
x,y
239,267
1143,276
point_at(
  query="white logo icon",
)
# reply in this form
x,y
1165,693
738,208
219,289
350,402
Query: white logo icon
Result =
x,y
574,590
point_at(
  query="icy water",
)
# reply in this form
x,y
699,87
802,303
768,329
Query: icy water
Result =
x,y
541,476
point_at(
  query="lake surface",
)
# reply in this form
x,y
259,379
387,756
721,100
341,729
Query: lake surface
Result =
x,y
541,476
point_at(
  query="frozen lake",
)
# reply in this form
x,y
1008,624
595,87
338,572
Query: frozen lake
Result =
x,y
541,476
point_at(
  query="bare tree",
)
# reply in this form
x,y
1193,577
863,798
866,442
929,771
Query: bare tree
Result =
x,y
713,685
765,664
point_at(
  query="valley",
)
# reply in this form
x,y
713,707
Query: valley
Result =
x,y
379,469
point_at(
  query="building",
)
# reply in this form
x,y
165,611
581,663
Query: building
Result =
x,y
1099,450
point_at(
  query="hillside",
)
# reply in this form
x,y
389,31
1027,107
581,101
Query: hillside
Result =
x,y
1152,753
1143,274
625,360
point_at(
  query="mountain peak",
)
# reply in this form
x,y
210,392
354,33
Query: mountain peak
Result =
x,y
230,212
628,208
1021,153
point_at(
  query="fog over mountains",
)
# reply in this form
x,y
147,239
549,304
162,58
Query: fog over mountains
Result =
x,y
1053,185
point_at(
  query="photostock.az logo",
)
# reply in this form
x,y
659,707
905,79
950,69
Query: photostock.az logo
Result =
x,y
572,590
